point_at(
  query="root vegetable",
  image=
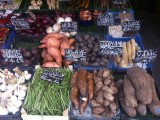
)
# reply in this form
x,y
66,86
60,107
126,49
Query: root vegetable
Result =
x,y
97,79
129,50
98,110
71,41
94,103
82,83
50,64
98,86
99,100
141,109
107,82
154,107
83,107
133,47
114,89
48,58
64,45
108,90
100,73
90,85
106,103
106,73
113,107
74,96
100,94
74,79
124,60
56,54
108,113
142,85
129,93
108,96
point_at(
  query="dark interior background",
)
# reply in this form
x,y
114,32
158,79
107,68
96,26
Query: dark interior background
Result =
x,y
148,11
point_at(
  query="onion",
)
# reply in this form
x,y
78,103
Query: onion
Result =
x,y
67,34
59,20
18,103
49,30
56,28
68,19
27,76
73,33
3,110
13,98
3,87
21,93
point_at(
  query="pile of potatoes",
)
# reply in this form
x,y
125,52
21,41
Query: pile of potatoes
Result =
x,y
137,92
103,103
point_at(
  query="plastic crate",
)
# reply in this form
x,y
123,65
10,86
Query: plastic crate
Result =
x,y
138,40
9,40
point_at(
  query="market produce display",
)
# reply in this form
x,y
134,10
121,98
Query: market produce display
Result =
x,y
91,44
78,4
48,98
12,90
54,45
137,92
10,5
128,54
35,4
104,103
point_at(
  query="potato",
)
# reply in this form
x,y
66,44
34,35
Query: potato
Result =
x,y
141,84
129,93
112,84
141,109
108,90
86,37
94,103
107,82
80,39
106,102
100,73
108,96
114,89
99,100
100,94
111,77
97,79
98,86
98,110
113,107
106,73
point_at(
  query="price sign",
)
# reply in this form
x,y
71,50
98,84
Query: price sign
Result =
x,y
20,23
131,25
105,19
12,56
69,26
111,47
145,56
120,1
53,76
75,55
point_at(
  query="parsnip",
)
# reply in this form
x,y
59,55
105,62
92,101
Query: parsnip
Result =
x,y
129,50
124,60
133,47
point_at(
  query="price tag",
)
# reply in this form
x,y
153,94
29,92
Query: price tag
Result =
x,y
120,1
145,56
111,47
69,26
20,23
12,56
75,55
131,25
52,76
105,19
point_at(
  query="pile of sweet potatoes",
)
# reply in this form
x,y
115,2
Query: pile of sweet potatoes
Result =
x,y
54,45
98,88
137,92
103,102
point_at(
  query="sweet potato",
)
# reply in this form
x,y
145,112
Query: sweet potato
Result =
x,y
71,41
53,42
64,45
129,93
44,52
154,107
90,85
130,111
56,35
74,96
83,107
50,64
82,83
55,52
141,109
48,58
141,84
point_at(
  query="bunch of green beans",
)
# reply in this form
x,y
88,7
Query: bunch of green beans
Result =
x,y
48,98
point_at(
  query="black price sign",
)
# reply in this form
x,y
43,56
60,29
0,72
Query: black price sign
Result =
x,y
52,76
111,47
69,26
145,56
105,19
120,1
75,55
12,56
131,25
20,23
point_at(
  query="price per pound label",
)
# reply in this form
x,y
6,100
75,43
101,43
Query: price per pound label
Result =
x,y
53,76
145,56
105,19
131,25
69,26
111,47
20,23
12,56
75,55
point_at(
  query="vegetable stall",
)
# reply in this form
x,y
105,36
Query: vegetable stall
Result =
x,y
76,59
